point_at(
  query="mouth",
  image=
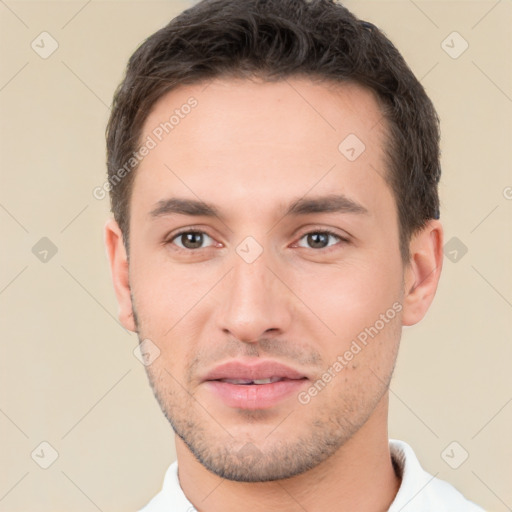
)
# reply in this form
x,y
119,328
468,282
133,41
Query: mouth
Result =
x,y
252,371
249,382
248,385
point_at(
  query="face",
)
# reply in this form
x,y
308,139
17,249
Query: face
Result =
x,y
265,267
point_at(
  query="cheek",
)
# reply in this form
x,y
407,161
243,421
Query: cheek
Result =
x,y
352,295
359,302
172,303
164,292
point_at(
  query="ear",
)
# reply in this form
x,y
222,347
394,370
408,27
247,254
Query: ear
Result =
x,y
120,275
421,275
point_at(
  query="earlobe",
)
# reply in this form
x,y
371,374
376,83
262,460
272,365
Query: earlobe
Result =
x,y
120,273
423,272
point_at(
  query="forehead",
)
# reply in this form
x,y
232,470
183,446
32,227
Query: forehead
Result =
x,y
267,138
327,108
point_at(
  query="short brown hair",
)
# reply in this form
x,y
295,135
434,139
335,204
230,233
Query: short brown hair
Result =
x,y
276,39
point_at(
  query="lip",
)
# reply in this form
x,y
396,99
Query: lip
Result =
x,y
253,396
239,369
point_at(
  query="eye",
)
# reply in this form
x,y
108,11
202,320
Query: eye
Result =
x,y
319,240
192,240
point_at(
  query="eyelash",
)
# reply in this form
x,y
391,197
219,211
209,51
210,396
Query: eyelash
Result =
x,y
341,240
325,231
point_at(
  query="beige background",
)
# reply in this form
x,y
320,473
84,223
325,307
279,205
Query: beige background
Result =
x,y
68,375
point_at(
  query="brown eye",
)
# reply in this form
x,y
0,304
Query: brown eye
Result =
x,y
192,240
319,240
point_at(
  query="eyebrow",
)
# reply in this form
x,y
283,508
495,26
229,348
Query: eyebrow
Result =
x,y
326,204
184,207
334,203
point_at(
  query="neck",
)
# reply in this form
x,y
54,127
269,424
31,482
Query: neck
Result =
x,y
359,476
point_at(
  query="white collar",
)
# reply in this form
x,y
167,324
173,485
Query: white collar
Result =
x,y
419,491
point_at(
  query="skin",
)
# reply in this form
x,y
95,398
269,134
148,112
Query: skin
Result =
x,y
250,149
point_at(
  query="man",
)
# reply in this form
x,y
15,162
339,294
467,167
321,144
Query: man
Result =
x,y
273,170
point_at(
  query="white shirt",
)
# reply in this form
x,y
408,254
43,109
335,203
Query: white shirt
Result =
x,y
419,491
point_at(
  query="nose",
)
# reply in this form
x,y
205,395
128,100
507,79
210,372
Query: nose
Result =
x,y
255,303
